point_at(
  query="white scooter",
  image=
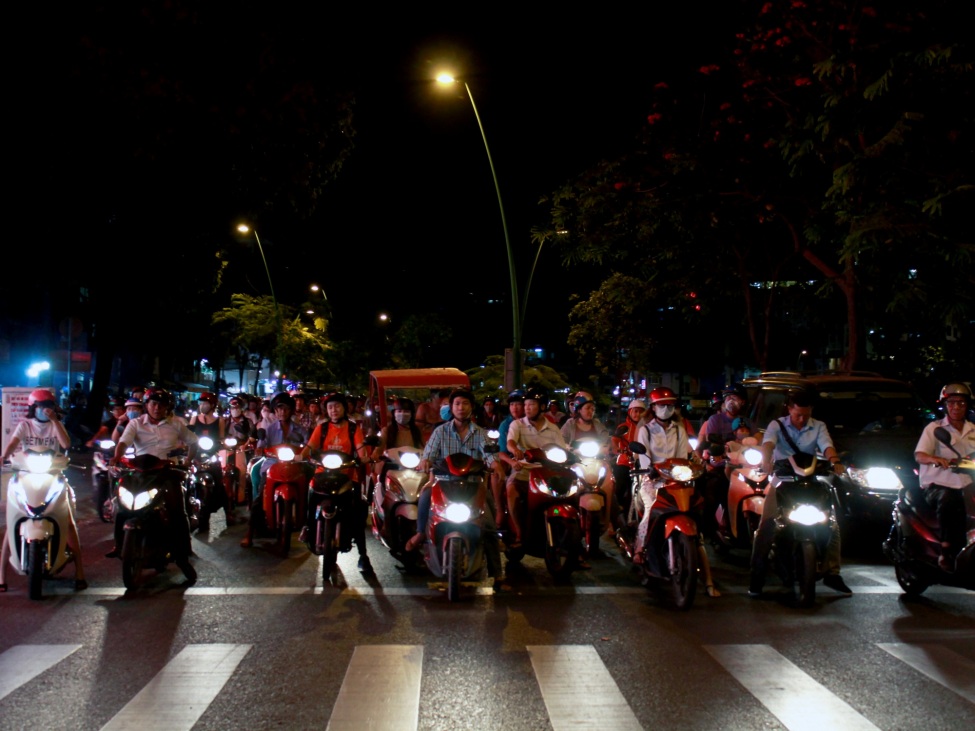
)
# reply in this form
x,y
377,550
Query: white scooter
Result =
x,y
38,517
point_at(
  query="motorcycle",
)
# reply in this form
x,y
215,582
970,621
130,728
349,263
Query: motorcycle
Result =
x,y
552,528
285,491
205,481
593,473
736,525
38,515
458,500
101,478
670,556
148,536
914,543
335,492
393,512
806,501
231,474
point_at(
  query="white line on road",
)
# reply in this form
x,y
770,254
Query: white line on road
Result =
x,y
179,694
953,671
385,700
25,662
578,690
798,701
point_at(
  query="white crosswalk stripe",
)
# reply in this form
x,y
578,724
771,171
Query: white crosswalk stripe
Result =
x,y
180,693
942,665
25,662
380,701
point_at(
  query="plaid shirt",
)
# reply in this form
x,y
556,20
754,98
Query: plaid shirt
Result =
x,y
445,441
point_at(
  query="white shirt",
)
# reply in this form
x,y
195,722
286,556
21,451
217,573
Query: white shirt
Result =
x,y
662,441
157,439
963,441
525,436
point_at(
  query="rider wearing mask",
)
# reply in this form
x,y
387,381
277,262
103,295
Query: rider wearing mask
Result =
x,y
159,433
718,428
207,422
237,425
626,432
665,437
107,428
342,434
401,431
944,489
42,430
583,423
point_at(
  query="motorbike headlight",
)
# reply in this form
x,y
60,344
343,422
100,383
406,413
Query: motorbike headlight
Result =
x,y
206,444
693,441
807,515
753,457
589,449
286,454
556,454
230,442
331,461
682,473
458,513
131,501
106,444
882,480
38,463
409,460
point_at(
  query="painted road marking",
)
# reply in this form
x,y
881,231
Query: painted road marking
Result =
x,y
381,690
180,693
567,674
944,666
798,701
22,663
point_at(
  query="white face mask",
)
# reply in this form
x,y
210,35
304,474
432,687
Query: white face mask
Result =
x,y
664,411
235,412
205,408
402,417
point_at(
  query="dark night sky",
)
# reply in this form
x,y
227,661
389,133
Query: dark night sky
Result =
x,y
413,217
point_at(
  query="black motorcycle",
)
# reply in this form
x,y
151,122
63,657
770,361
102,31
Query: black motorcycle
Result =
x,y
205,482
333,502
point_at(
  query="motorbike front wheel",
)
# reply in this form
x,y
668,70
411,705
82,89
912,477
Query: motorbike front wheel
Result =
x,y
683,568
452,568
593,529
285,522
103,501
328,547
562,554
910,583
36,558
805,569
133,559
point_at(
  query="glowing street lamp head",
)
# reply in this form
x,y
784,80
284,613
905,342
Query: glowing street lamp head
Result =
x,y
446,78
243,228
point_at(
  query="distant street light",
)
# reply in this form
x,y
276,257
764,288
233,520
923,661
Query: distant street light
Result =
x,y
244,228
799,359
446,79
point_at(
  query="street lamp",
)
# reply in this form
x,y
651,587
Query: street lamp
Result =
x,y
244,228
531,276
446,79
799,359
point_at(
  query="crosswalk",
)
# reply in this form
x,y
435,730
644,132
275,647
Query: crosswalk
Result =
x,y
180,693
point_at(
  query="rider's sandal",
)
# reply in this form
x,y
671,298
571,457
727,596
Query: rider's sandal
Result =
x,y
414,542
712,590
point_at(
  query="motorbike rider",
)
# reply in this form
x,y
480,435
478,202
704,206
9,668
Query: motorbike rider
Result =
x,y
665,437
488,416
533,431
342,434
208,422
401,431
107,428
159,433
944,489
718,428
43,430
302,415
504,461
459,435
316,416
283,429
626,432
244,430
582,423
796,432
428,415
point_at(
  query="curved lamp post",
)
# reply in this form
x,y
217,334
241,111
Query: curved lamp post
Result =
x,y
446,79
244,228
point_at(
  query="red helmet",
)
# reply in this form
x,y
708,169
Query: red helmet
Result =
x,y
42,396
236,402
209,398
662,395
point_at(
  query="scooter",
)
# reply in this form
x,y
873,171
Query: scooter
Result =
x,y
285,492
914,543
231,474
670,555
594,474
38,515
552,527
205,481
393,512
101,478
148,540
458,499
335,493
737,525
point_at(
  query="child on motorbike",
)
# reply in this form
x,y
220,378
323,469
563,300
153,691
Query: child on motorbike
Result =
x,y
43,430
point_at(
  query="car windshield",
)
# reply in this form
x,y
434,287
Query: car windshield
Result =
x,y
859,409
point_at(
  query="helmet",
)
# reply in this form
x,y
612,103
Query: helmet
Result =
x,y
154,393
952,389
732,391
662,395
517,395
300,395
583,394
133,401
581,401
236,401
462,393
209,398
283,399
41,396
335,397
637,403
536,395
402,404
118,403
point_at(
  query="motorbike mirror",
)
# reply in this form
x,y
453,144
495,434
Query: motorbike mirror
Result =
x,y
637,448
943,436
621,430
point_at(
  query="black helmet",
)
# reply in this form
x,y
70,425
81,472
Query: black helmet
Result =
x,y
335,397
517,396
733,391
537,395
283,399
154,393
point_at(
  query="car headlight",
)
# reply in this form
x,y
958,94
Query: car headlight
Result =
x,y
458,513
807,515
876,479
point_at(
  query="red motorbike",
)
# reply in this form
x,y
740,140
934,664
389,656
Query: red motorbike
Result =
x,y
285,492
552,523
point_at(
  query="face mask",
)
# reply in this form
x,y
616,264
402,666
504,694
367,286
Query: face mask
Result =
x,y
664,411
235,412
445,412
133,414
40,416
205,408
402,417
732,406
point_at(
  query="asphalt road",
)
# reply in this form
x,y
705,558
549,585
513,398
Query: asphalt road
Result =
x,y
260,643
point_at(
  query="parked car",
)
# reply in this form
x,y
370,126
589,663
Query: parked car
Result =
x,y
874,421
